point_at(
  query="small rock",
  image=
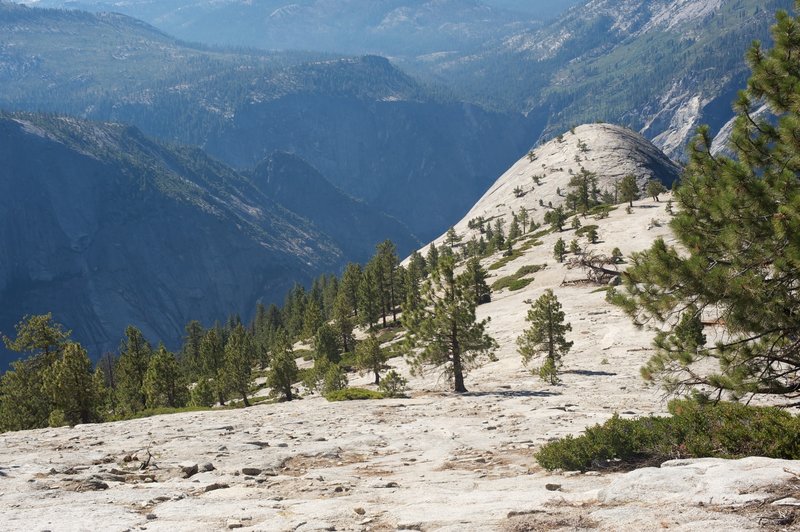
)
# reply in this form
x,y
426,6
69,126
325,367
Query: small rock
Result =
x,y
215,486
552,487
233,523
592,473
359,511
92,484
366,521
207,467
392,485
282,445
150,517
788,501
251,471
189,469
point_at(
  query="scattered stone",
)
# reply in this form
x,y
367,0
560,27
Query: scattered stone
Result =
x,y
359,511
91,484
552,487
215,486
189,469
251,471
788,501
151,517
392,485
233,523
259,444
208,466
282,445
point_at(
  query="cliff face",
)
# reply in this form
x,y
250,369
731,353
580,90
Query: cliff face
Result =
x,y
105,228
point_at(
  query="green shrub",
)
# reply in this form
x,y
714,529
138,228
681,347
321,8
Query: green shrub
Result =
x,y
586,229
514,282
696,429
393,384
353,394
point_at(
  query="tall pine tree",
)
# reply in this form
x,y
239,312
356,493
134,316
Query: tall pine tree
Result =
x,y
738,227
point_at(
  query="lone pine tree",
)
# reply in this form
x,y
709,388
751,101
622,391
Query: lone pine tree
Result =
x,y
443,331
545,336
738,232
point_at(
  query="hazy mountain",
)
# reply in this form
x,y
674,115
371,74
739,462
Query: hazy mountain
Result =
x,y
661,67
415,153
106,228
384,27
355,226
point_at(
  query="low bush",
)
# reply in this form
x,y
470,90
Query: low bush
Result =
x,y
697,429
353,394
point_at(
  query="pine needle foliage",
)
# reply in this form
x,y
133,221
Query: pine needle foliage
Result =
x,y
444,331
738,229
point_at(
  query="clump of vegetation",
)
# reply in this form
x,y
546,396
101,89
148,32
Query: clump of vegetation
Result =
x,y
516,282
393,385
353,394
696,429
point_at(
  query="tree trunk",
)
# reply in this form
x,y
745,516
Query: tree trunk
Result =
x,y
458,371
377,378
244,397
288,393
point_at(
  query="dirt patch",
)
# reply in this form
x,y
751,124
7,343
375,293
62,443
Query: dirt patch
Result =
x,y
777,512
299,465
547,520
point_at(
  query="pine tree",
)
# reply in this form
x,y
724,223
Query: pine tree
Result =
x,y
388,281
343,322
163,385
739,235
629,189
523,220
212,353
238,363
134,357
348,290
452,238
444,331
370,356
556,218
514,230
433,258
69,383
476,277
326,344
559,250
312,318
283,370
23,403
545,336
369,299
654,188
190,352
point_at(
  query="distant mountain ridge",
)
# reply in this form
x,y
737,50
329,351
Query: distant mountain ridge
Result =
x,y
106,228
386,27
355,226
661,67
412,151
